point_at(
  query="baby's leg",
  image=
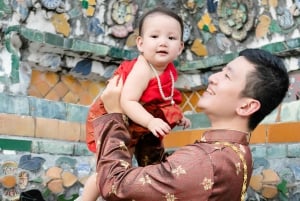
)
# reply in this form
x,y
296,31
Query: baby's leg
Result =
x,y
90,190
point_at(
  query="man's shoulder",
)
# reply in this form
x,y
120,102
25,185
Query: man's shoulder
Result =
x,y
208,147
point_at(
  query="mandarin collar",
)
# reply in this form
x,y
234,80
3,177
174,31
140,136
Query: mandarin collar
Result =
x,y
225,135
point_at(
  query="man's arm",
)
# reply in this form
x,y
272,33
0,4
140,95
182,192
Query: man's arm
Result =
x,y
181,177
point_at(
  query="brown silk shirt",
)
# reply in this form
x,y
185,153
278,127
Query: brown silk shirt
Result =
x,y
203,171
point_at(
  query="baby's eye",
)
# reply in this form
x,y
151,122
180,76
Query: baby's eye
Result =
x,y
153,36
172,38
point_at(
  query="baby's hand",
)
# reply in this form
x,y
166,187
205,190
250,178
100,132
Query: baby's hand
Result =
x,y
158,127
185,122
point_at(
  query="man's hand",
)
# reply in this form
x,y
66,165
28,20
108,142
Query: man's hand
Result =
x,y
111,95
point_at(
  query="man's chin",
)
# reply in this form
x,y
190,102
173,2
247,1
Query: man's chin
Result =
x,y
201,105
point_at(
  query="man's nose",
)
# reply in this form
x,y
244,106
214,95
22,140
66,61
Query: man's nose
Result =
x,y
213,78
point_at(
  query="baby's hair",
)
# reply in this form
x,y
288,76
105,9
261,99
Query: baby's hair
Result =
x,y
164,11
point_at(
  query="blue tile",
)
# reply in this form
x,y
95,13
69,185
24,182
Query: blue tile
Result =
x,y
259,151
76,113
276,150
47,109
13,104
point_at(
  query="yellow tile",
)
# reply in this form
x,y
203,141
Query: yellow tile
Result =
x,y
46,128
71,97
43,88
90,11
181,138
85,98
53,95
283,132
61,24
21,126
69,131
199,48
94,88
36,76
259,135
82,132
51,78
68,80
61,89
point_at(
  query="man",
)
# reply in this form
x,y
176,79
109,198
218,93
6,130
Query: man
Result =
x,y
217,167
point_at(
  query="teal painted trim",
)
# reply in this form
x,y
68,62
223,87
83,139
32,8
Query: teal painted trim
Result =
x,y
16,145
38,107
280,48
122,53
4,79
14,104
84,46
5,9
208,62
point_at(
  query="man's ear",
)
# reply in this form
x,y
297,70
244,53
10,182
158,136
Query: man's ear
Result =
x,y
249,107
139,43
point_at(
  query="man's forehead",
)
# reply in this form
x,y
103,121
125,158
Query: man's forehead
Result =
x,y
239,66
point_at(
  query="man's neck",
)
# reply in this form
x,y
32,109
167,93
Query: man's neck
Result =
x,y
238,125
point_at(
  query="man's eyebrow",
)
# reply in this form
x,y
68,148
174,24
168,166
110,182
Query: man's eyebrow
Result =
x,y
229,69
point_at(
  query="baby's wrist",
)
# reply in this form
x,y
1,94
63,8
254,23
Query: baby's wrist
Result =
x,y
149,121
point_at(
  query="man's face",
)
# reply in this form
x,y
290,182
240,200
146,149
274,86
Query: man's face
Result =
x,y
222,96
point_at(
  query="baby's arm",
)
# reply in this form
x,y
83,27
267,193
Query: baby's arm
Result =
x,y
134,86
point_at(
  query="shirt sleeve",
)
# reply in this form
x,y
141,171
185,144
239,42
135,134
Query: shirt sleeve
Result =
x,y
186,175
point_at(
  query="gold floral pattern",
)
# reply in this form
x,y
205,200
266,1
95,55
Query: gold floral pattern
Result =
x,y
178,171
145,180
218,147
125,164
238,168
170,197
242,149
207,183
123,146
113,190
